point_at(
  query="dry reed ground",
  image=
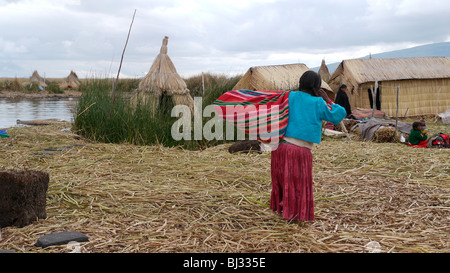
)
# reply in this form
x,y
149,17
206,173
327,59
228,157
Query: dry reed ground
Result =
x,y
153,199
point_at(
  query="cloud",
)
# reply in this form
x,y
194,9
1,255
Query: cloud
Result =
x,y
10,47
412,20
222,36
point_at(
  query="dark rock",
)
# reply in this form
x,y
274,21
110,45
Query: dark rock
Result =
x,y
23,197
61,238
245,146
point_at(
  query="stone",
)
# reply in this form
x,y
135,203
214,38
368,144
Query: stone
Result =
x,y
23,197
61,238
245,146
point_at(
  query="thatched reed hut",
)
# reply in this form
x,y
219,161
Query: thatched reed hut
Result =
x,y
424,84
36,78
276,77
71,81
163,82
324,72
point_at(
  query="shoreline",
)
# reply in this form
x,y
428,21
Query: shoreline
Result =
x,y
4,94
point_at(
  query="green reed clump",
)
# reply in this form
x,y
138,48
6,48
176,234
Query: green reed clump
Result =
x,y
128,85
12,85
215,86
54,88
123,85
99,119
125,123
32,87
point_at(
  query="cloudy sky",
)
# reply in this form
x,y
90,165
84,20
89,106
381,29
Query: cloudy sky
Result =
x,y
218,36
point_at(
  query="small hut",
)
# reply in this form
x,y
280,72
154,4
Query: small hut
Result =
x,y
72,81
324,72
276,77
424,84
162,83
36,78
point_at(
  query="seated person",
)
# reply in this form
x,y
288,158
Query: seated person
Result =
x,y
418,136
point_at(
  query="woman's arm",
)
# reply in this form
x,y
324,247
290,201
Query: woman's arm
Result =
x,y
423,136
329,111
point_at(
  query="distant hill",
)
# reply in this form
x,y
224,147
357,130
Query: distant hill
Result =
x,y
431,50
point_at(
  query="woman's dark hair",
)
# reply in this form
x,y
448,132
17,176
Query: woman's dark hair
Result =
x,y
416,125
310,82
342,87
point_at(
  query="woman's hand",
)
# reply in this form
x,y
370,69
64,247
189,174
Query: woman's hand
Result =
x,y
322,93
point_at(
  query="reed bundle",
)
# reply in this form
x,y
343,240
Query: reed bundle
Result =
x,y
324,72
385,134
348,123
129,198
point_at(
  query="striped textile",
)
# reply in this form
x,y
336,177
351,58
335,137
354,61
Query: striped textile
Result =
x,y
260,114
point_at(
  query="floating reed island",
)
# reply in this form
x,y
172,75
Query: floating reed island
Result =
x,y
129,198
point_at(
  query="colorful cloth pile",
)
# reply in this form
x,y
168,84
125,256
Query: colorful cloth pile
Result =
x,y
4,134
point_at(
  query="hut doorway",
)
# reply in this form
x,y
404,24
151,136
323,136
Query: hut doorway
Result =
x,y
165,103
378,98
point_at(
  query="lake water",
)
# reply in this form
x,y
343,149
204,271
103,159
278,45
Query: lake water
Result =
x,y
30,109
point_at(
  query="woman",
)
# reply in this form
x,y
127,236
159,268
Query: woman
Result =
x,y
291,163
342,99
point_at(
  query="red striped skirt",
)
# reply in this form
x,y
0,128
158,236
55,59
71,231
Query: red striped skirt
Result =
x,y
292,182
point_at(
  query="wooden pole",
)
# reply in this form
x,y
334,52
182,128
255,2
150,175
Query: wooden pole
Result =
x,y
437,101
345,130
120,66
396,118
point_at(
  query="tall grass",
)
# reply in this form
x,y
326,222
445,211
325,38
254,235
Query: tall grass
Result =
x,y
136,124
53,88
12,85
215,86
124,85
20,85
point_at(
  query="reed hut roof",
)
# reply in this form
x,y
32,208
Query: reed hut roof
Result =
x,y
36,77
274,77
360,71
73,79
163,76
324,72
423,82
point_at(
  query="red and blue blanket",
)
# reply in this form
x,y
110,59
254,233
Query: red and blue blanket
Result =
x,y
263,114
